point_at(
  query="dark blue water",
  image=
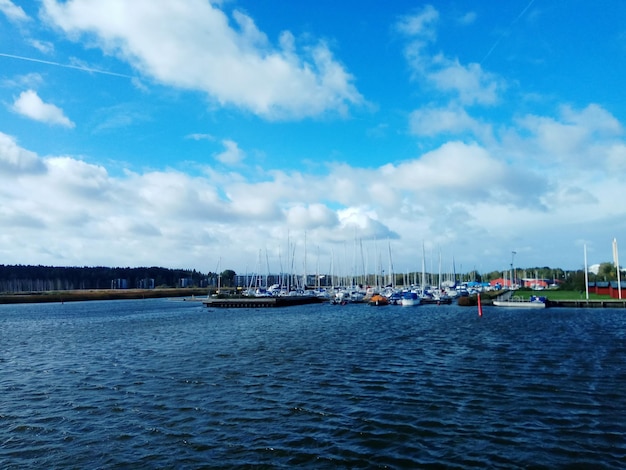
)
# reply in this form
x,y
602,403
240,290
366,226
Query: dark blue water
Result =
x,y
171,384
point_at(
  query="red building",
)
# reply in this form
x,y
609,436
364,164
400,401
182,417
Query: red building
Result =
x,y
608,288
500,283
536,283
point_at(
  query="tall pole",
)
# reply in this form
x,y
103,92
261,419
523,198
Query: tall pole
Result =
x,y
616,260
513,253
586,274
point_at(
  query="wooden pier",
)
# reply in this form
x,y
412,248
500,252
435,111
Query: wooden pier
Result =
x,y
261,302
583,303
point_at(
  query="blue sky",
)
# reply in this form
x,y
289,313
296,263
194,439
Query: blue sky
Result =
x,y
260,135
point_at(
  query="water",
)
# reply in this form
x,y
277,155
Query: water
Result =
x,y
171,384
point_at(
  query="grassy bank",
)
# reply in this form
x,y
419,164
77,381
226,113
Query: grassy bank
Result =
x,y
487,298
560,295
100,294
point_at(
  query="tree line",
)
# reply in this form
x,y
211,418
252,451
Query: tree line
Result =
x,y
28,278
24,278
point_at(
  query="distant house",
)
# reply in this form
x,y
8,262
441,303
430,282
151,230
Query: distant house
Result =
x,y
500,283
600,288
147,283
530,283
533,283
614,290
608,288
119,284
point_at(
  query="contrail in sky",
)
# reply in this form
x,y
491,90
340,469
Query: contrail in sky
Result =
x,y
495,44
76,67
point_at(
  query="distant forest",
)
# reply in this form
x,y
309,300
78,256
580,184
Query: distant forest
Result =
x,y
19,278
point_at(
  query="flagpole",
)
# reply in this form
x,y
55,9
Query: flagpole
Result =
x,y
586,273
616,260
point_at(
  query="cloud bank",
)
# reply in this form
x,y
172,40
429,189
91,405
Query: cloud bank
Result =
x,y
485,168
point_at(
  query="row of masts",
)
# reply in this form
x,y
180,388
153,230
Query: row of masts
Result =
x,y
289,279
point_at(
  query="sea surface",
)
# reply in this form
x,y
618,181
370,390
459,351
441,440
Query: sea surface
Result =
x,y
173,384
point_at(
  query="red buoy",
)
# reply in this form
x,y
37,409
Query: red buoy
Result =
x,y
480,307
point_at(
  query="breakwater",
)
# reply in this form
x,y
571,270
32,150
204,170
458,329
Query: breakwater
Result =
x,y
100,294
261,302
487,300
612,303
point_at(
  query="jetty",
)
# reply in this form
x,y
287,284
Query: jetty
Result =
x,y
583,303
261,302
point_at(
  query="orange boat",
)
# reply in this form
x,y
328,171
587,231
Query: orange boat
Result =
x,y
378,300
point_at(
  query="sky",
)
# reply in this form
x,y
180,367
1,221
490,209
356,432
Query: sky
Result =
x,y
272,135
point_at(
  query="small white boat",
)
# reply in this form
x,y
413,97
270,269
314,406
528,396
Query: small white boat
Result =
x,y
348,295
410,299
517,302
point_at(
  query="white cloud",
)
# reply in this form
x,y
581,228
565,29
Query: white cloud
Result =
x,y
45,47
578,138
79,179
12,11
122,115
311,216
468,18
30,105
30,80
616,157
200,136
459,195
232,155
15,160
433,121
362,222
419,24
598,120
470,83
464,172
234,63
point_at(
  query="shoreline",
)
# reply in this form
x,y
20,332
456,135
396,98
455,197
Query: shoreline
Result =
x,y
204,294
100,294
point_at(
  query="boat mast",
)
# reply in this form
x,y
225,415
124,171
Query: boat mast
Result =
x,y
423,269
219,275
288,267
616,260
439,276
267,263
391,277
304,264
586,273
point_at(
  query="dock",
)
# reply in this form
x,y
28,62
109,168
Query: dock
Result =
x,y
583,303
445,301
262,302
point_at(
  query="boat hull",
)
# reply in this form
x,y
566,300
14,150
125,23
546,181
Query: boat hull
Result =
x,y
518,304
378,301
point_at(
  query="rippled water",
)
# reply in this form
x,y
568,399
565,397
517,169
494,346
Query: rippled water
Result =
x,y
171,384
